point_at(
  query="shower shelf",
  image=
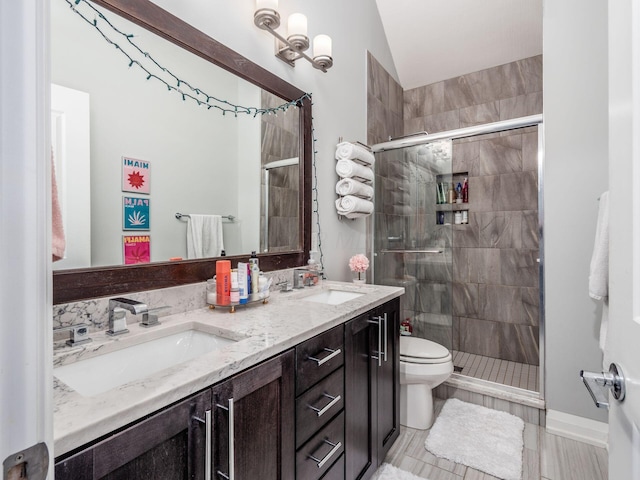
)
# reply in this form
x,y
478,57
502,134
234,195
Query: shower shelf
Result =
x,y
452,207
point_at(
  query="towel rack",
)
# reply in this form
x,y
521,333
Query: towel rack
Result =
x,y
179,216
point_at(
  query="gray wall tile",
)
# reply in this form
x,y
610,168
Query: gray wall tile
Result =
x,y
530,237
499,229
479,337
441,122
479,114
521,106
499,155
485,265
519,267
519,343
530,151
465,299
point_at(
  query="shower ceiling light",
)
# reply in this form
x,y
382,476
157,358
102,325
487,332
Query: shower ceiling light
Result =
x,y
292,47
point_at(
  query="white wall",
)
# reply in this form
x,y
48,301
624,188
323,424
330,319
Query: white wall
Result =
x,y
339,96
576,146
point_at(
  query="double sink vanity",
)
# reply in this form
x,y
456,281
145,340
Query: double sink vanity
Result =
x,y
304,387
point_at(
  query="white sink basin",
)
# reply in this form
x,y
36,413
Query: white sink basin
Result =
x,y
332,297
101,373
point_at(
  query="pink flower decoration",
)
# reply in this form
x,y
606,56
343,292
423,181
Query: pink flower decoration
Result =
x,y
359,263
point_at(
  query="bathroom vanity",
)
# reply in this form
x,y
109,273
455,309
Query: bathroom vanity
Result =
x,y
308,390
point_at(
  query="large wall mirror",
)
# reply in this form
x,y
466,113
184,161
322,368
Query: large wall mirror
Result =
x,y
109,119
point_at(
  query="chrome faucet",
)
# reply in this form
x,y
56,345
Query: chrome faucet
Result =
x,y
304,277
117,314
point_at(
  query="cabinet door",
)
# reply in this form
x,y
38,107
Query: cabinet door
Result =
x,y
360,345
254,428
168,445
389,379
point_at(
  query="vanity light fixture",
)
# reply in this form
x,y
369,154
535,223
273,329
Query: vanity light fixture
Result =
x,y
292,47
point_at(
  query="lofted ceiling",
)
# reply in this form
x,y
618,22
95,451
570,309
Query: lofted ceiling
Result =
x,y
433,40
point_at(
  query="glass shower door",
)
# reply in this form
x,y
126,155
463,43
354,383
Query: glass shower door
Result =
x,y
412,239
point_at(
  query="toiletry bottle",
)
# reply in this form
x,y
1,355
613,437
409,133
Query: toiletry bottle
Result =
x,y
242,282
405,327
465,191
234,294
465,216
223,282
459,193
211,291
255,273
457,218
262,285
451,194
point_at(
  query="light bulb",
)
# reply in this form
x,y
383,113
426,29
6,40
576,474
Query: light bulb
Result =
x,y
297,24
322,46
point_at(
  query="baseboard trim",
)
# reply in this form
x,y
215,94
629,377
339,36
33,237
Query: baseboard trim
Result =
x,y
578,428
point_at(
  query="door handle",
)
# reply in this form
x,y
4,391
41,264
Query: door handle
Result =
x,y
598,383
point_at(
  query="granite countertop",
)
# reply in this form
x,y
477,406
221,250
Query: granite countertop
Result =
x,y
260,330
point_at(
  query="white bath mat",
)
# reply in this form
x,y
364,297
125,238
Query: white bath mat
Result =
x,y
386,471
478,437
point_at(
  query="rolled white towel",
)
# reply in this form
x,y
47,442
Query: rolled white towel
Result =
x,y
351,169
354,207
349,186
352,151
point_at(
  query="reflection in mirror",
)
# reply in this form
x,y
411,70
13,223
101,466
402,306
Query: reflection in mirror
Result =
x,y
183,156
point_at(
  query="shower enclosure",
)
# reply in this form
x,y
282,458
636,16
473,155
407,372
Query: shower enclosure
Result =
x,y
471,271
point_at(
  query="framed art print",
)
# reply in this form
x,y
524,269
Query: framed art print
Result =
x,y
136,175
135,213
136,249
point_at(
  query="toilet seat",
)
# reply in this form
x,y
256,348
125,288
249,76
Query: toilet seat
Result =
x,y
422,351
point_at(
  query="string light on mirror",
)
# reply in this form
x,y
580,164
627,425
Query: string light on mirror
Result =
x,y
137,57
293,47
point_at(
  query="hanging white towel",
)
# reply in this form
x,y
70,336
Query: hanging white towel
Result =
x,y
354,207
351,169
599,269
352,151
349,186
204,236
58,241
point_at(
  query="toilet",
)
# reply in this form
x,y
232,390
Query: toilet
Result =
x,y
423,366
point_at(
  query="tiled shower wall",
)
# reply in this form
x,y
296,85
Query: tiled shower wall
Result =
x,y
280,140
494,285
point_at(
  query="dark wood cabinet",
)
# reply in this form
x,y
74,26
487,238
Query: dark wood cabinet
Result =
x,y
253,410
372,388
253,422
168,445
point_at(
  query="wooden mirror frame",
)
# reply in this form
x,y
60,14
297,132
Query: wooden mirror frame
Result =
x,y
84,283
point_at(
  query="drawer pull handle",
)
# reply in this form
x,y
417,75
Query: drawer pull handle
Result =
x,y
336,447
332,354
207,453
328,406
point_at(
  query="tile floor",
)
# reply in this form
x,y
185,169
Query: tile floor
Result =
x,y
546,457
514,374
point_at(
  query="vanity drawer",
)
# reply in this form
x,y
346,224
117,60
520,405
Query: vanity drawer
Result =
x,y
319,356
318,455
318,405
336,472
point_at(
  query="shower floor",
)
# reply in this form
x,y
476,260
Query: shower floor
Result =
x,y
514,374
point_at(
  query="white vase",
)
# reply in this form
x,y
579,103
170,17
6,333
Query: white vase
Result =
x,y
359,281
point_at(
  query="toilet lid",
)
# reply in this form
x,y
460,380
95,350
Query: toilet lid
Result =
x,y
420,350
